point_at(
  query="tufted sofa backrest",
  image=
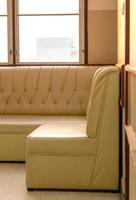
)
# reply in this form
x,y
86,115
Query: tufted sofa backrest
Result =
x,y
48,90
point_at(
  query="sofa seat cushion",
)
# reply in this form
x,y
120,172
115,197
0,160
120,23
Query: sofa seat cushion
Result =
x,y
61,139
27,123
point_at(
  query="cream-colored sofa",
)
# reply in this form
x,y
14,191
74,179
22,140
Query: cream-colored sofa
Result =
x,y
65,149
31,96
82,154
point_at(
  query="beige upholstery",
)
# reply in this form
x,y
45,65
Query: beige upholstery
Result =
x,y
61,139
103,123
45,90
63,158
38,92
81,156
15,128
69,151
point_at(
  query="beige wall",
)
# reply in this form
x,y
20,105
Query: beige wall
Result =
x,y
121,33
102,4
102,31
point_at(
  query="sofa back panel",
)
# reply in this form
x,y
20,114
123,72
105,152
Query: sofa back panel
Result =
x,y
103,124
103,101
45,90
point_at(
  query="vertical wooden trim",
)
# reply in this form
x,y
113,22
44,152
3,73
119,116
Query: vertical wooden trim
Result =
x,y
16,31
86,30
126,98
81,32
126,142
127,44
122,86
13,28
127,61
127,168
10,32
120,137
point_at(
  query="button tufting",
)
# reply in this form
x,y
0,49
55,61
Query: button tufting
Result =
x,y
19,95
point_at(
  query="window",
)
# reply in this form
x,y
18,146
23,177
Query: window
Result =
x,y
3,32
37,31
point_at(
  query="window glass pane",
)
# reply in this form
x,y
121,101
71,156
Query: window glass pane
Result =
x,y
49,39
3,40
3,7
48,6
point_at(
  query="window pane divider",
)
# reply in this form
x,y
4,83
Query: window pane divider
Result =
x,y
10,31
52,14
3,15
81,31
16,34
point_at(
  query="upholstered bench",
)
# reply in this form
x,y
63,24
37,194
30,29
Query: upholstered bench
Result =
x,y
83,154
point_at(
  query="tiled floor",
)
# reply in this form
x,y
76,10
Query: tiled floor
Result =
x,y
12,187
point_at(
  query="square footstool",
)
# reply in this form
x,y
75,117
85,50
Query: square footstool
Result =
x,y
59,156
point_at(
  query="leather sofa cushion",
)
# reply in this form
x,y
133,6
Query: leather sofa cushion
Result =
x,y
61,139
27,123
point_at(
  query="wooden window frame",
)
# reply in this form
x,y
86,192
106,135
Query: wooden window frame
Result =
x,y
9,33
13,35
